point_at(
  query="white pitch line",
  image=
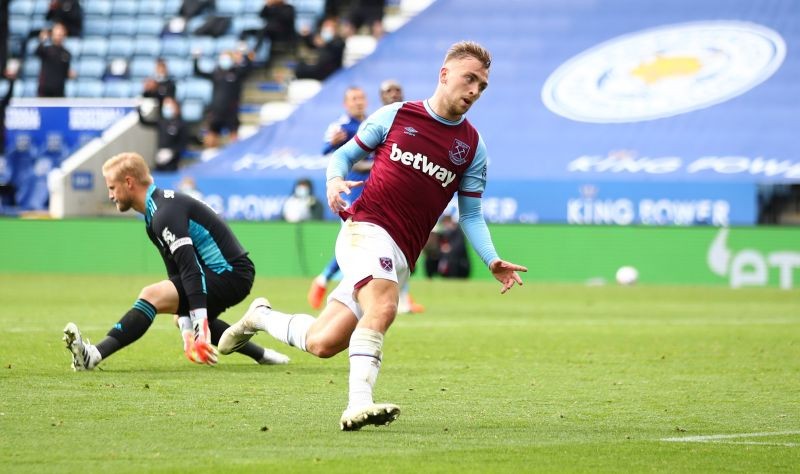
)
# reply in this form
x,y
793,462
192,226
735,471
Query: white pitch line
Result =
x,y
721,438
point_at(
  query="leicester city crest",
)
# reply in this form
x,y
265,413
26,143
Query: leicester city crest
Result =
x,y
459,152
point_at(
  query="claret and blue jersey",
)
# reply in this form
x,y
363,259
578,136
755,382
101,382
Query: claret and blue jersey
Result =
x,y
415,149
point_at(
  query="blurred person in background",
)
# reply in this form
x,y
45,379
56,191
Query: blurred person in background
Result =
x,y
6,165
68,13
174,135
161,85
55,69
328,47
208,271
369,14
228,80
302,205
279,27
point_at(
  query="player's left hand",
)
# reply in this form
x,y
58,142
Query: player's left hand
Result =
x,y
202,352
335,187
506,273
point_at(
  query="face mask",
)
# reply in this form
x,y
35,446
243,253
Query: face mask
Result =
x,y
326,35
301,191
225,62
168,112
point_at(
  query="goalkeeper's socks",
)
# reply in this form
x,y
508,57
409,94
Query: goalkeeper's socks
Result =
x,y
365,363
288,328
130,328
251,350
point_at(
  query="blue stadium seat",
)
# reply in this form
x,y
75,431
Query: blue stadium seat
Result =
x,y
195,23
141,67
246,22
207,63
151,7
19,25
123,26
192,110
90,88
73,45
94,46
124,8
205,44
175,46
96,25
171,7
253,7
147,46
40,7
230,8
21,8
119,89
90,67
29,88
70,88
149,25
97,7
31,67
19,88
196,89
180,67
120,47
4,88
225,43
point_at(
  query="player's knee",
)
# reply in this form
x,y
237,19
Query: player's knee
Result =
x,y
321,349
150,293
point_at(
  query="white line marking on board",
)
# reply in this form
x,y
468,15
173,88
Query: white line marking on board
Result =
x,y
726,438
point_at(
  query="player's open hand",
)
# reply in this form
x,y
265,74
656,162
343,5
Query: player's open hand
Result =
x,y
506,273
335,188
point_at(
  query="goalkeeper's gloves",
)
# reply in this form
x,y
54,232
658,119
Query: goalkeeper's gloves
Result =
x,y
197,338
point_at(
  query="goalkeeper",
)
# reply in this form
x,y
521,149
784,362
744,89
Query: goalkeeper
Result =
x,y
208,271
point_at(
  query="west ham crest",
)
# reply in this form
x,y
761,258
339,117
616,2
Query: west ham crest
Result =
x,y
459,152
386,264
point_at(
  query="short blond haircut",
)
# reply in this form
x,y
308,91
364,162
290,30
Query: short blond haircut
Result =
x,y
469,49
128,164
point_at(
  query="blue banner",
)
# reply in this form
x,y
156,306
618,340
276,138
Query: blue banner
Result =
x,y
40,137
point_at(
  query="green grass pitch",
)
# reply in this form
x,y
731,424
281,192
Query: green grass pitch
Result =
x,y
551,378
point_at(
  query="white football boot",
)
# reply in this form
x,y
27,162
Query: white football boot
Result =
x,y
239,333
376,414
85,356
271,357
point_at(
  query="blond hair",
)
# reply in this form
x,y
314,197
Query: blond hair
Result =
x,y
128,164
469,49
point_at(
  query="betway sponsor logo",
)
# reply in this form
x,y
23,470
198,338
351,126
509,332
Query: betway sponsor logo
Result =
x,y
420,162
751,267
629,163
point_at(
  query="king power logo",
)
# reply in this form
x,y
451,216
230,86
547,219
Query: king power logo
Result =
x,y
751,267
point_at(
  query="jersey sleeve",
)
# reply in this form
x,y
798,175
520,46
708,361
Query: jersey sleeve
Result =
x,y
473,182
470,217
375,128
171,226
371,133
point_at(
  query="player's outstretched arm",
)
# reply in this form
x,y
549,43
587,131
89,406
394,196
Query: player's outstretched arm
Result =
x,y
506,273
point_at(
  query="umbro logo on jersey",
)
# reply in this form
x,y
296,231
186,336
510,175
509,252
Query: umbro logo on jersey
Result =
x,y
420,162
410,131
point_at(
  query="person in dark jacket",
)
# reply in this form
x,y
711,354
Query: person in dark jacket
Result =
x,y
228,79
68,13
56,61
174,135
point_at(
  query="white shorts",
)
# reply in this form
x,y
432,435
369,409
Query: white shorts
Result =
x,y
366,251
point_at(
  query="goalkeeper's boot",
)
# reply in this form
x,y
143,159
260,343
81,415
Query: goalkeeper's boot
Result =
x,y
271,357
376,414
84,355
238,334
